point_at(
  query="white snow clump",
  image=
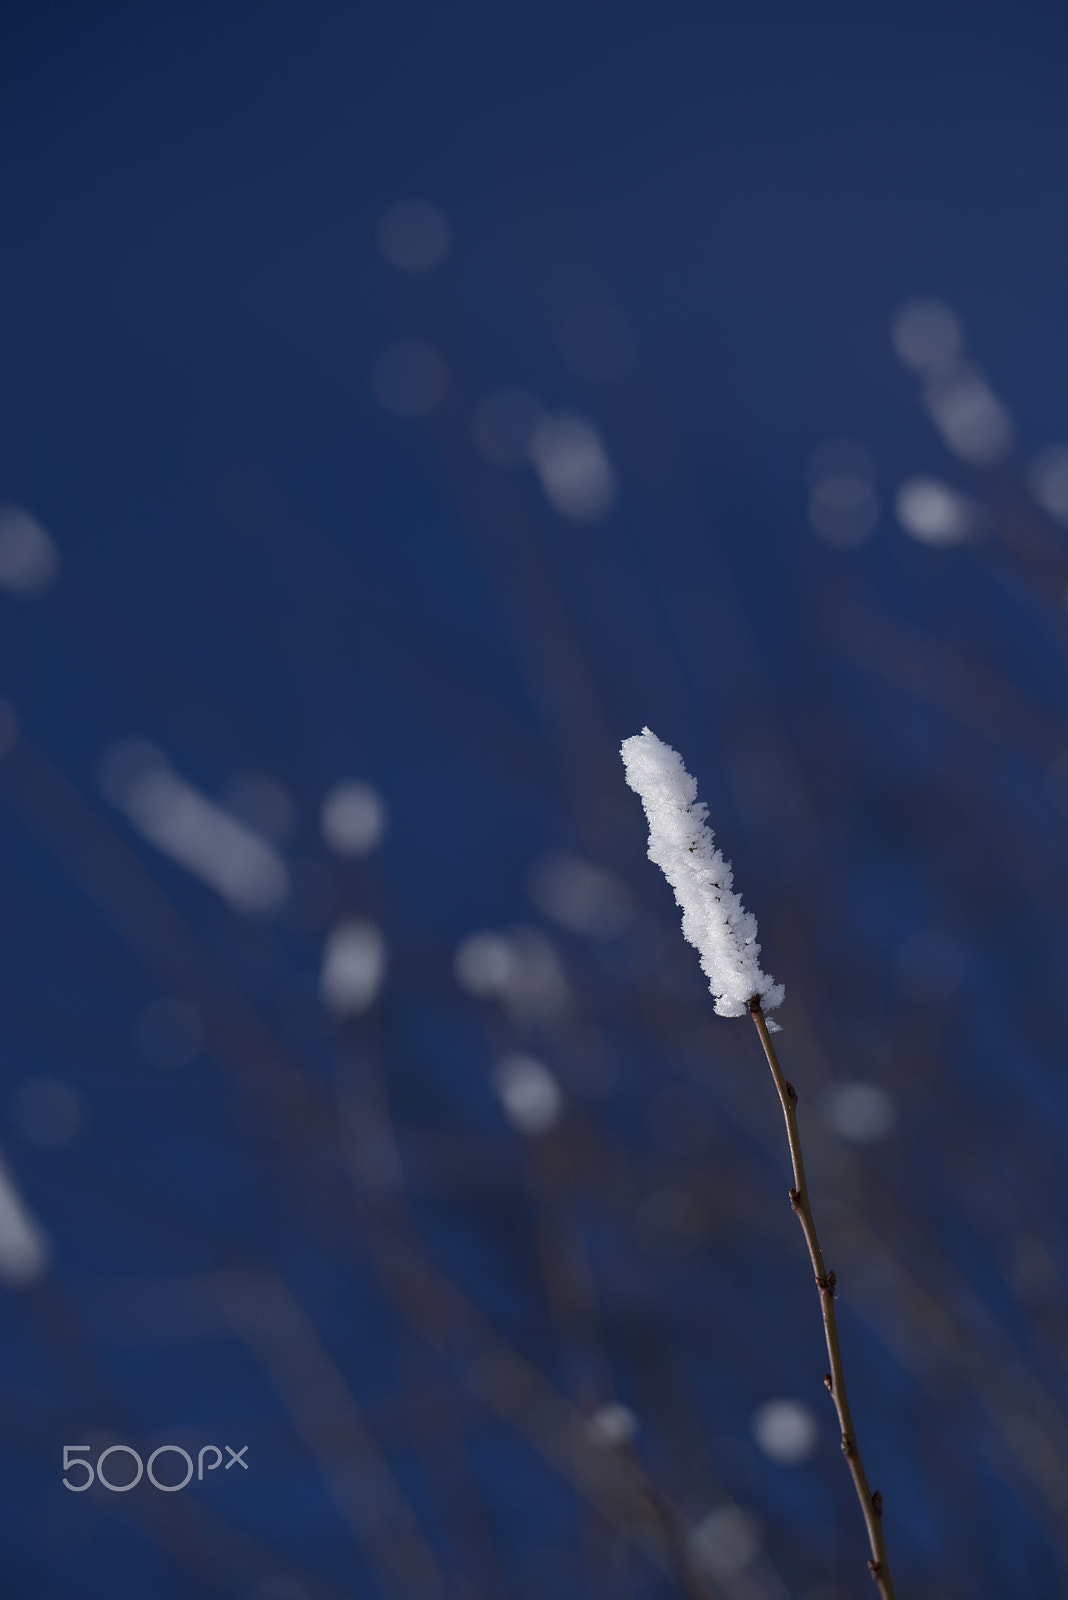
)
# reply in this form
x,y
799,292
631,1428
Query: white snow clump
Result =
x,y
681,844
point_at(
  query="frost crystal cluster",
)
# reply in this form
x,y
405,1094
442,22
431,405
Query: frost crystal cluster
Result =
x,y
681,843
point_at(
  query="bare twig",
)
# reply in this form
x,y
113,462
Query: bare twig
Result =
x,y
871,1504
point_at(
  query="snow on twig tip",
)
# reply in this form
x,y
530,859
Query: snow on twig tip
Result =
x,y
682,846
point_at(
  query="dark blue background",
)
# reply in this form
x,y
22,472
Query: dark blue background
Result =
x,y
263,569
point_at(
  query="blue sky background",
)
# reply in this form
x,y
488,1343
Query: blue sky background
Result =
x,y
265,570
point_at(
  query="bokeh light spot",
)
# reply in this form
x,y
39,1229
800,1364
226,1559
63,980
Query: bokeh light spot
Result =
x,y
785,1430
414,236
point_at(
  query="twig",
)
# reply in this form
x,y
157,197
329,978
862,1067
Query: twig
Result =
x,y
870,1504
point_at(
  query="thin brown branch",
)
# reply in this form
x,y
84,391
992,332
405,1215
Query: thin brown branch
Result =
x,y
871,1504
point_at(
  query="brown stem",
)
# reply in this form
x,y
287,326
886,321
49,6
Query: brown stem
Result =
x,y
871,1504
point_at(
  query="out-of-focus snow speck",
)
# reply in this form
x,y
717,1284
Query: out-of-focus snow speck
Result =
x,y
969,416
414,236
484,963
29,560
504,424
1047,479
192,830
24,1245
860,1112
519,968
573,467
927,336
724,1542
409,378
843,509
353,969
579,895
973,422
611,1425
934,513
529,1094
353,818
785,1430
46,1112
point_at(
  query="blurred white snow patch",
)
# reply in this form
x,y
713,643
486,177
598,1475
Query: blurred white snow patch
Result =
x,y
969,416
843,509
483,964
724,1542
931,966
353,969
580,896
9,726
24,1247
927,335
785,1430
504,424
682,845
193,831
529,1094
263,803
46,1112
520,968
596,342
29,560
168,1033
610,1426
936,514
354,817
860,1112
572,466
409,378
414,236
1047,479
